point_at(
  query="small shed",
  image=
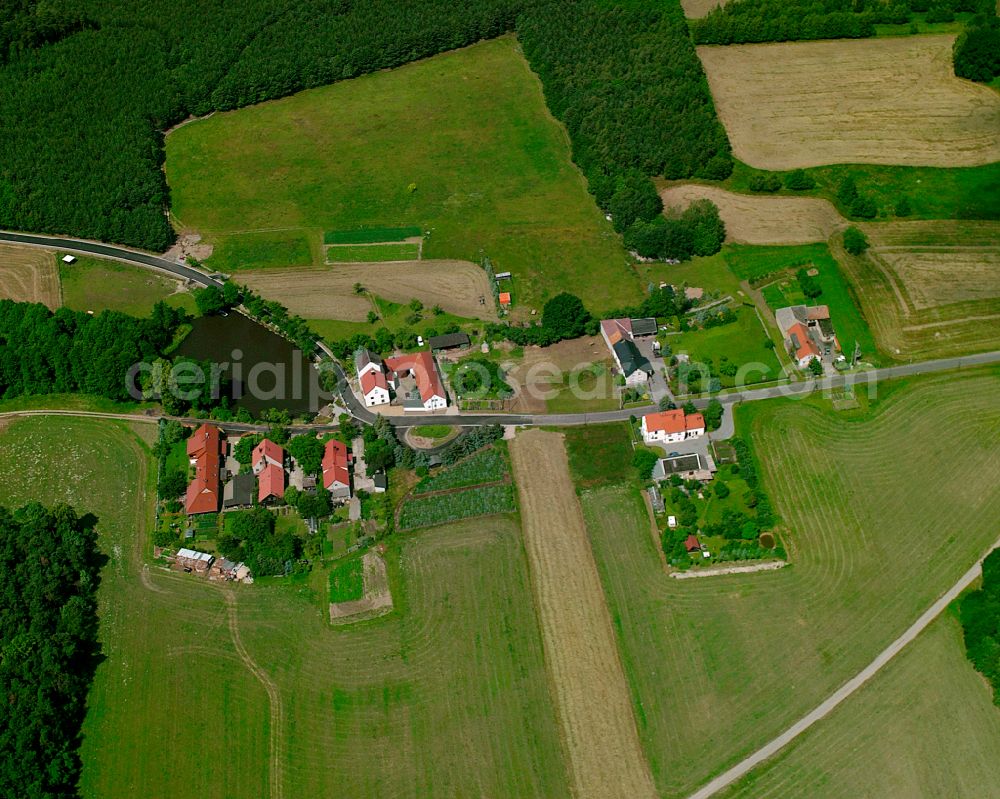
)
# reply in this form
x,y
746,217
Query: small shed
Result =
x,y
69,259
505,299
692,544
449,341
502,275
379,483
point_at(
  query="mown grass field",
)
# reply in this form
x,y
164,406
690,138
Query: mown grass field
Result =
x,y
362,253
461,145
171,678
451,686
925,726
94,284
878,518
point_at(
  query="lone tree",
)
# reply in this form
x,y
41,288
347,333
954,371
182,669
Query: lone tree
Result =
x,y
565,317
210,300
855,241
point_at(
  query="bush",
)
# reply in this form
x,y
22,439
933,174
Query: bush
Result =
x,y
799,180
644,460
565,317
765,183
855,242
903,207
810,286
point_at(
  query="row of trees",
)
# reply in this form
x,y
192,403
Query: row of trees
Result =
x,y
976,53
49,573
65,351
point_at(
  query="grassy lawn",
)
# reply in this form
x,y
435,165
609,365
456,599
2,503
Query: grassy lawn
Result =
x,y
452,685
742,342
926,724
262,249
589,389
346,581
612,441
371,235
433,431
750,263
460,145
93,284
878,520
348,253
933,192
394,316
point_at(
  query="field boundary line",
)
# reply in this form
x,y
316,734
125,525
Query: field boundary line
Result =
x,y
273,694
822,710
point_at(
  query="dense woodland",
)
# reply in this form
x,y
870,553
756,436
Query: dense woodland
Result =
x,y
49,573
87,92
745,21
46,352
980,613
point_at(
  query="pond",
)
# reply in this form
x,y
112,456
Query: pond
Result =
x,y
264,369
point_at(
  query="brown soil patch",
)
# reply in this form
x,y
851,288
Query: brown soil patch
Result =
x,y
588,683
872,101
328,292
540,369
695,9
757,219
377,599
28,274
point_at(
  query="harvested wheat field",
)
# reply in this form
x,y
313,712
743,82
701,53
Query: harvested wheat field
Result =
x,y
871,101
28,274
930,288
753,219
592,697
329,293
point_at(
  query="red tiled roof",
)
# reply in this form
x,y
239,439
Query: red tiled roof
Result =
x,y
806,346
692,544
673,421
421,364
372,380
335,460
267,449
205,446
505,298
272,483
617,329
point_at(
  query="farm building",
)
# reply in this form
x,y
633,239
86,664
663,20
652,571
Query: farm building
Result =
x,y
336,474
687,467
375,388
426,390
669,427
238,492
189,559
271,483
808,332
204,450
620,336
449,341
265,454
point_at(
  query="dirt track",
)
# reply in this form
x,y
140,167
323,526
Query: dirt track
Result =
x,y
28,274
591,694
761,219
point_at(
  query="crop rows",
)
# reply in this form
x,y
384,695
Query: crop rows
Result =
x,y
482,501
486,466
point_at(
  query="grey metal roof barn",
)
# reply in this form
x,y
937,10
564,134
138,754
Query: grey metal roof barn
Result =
x,y
448,341
644,327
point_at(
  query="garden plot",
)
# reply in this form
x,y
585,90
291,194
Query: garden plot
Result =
x,y
375,598
869,101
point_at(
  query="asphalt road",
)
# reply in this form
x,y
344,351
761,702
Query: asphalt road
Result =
x,y
767,751
360,412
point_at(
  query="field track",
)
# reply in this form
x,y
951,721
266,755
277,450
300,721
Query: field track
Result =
x,y
29,275
329,293
868,101
592,696
759,219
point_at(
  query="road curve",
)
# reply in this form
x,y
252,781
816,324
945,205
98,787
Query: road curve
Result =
x,y
112,251
767,751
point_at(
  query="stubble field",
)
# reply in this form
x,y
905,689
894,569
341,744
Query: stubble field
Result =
x,y
757,219
930,288
870,101
29,274
591,693
879,519
329,292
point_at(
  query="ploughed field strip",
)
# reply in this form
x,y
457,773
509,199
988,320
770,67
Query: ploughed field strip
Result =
x,y
868,101
591,694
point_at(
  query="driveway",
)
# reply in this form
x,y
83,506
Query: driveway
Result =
x,y
658,388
